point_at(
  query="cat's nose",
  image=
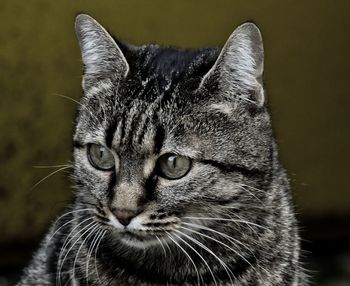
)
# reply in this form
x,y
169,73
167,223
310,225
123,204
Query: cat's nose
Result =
x,y
124,216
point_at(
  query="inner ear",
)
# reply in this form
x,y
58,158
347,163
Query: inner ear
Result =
x,y
101,55
238,70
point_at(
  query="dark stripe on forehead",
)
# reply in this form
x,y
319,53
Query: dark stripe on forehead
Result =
x,y
159,139
110,133
151,120
78,144
112,127
123,119
111,184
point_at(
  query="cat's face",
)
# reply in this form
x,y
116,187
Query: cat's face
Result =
x,y
168,139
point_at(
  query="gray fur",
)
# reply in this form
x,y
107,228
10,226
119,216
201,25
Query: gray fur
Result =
x,y
229,221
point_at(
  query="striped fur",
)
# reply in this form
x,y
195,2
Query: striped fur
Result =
x,y
229,221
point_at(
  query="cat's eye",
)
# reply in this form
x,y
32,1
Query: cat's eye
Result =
x,y
100,157
172,166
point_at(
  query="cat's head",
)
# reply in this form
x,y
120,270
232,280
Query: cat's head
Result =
x,y
167,139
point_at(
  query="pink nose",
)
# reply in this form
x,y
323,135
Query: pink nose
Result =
x,y
124,216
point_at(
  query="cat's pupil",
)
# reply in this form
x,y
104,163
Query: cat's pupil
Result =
x,y
101,153
173,166
100,157
172,161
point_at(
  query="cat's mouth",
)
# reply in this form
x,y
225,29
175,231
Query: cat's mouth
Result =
x,y
142,230
147,232
140,238
132,235
144,236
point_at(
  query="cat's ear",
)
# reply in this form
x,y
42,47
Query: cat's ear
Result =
x,y
101,55
239,68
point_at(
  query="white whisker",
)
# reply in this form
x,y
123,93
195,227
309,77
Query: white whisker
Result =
x,y
160,242
227,219
49,175
250,193
167,245
65,244
188,256
220,242
52,166
229,238
91,230
79,103
253,188
96,250
91,249
65,214
223,264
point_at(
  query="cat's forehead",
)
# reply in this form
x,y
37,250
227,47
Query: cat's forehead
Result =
x,y
159,91
160,69
154,72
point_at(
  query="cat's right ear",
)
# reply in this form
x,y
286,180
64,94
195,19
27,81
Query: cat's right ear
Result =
x,y
239,68
101,55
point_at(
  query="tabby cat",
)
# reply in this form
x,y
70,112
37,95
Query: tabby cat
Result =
x,y
176,171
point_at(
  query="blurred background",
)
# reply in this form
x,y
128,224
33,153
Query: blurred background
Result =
x,y
307,49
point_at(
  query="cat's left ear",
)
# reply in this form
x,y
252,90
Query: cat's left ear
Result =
x,y
101,55
239,68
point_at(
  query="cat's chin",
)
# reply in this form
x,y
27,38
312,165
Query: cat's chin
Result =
x,y
133,239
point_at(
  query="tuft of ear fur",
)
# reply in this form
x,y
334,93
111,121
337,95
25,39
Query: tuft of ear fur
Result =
x,y
240,65
101,55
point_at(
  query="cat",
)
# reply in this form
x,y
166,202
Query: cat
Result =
x,y
176,171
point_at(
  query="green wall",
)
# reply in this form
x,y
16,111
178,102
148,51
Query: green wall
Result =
x,y
307,47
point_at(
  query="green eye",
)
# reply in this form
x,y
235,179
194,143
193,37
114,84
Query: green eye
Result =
x,y
172,166
100,157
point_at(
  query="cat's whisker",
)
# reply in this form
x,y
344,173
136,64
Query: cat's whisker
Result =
x,y
229,238
89,254
199,255
246,99
91,232
68,280
160,242
190,258
248,205
253,188
241,219
81,233
62,226
80,104
248,223
167,246
62,216
52,166
251,194
219,242
72,231
227,219
96,250
49,175
65,244
197,242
